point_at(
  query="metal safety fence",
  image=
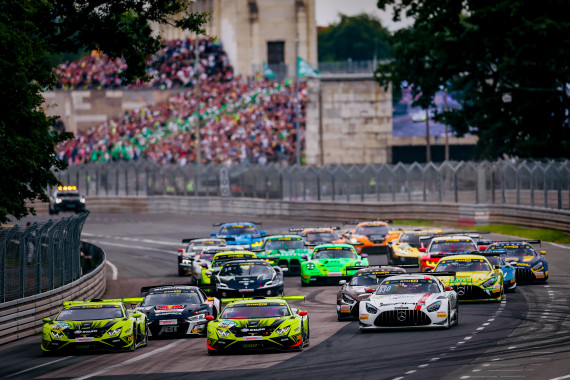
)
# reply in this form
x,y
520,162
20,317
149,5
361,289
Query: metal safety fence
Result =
x,y
39,257
531,183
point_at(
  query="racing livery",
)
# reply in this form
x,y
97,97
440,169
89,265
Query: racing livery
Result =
x,y
95,325
497,258
177,310
66,198
285,251
475,278
368,237
257,324
330,263
439,246
248,277
409,300
403,247
194,247
359,288
530,266
219,260
239,233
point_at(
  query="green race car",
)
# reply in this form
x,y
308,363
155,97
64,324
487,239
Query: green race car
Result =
x,y
255,324
286,251
95,325
330,263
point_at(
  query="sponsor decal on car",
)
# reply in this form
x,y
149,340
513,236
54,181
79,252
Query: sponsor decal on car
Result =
x,y
364,317
442,315
164,322
85,339
251,338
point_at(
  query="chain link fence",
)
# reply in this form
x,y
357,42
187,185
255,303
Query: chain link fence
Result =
x,y
39,257
530,183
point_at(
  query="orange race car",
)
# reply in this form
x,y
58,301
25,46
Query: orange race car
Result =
x,y
369,237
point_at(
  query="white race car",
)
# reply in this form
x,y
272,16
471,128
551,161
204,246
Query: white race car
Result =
x,y
410,300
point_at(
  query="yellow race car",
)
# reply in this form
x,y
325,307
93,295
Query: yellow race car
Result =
x,y
404,246
475,278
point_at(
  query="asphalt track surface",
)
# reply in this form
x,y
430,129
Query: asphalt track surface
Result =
x,y
525,337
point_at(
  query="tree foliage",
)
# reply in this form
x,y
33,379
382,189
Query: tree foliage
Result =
x,y
357,37
506,59
32,31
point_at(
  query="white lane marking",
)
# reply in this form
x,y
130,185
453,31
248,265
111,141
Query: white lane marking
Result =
x,y
38,366
465,377
398,378
462,342
104,242
491,319
560,246
410,372
561,377
423,365
467,337
485,365
512,348
115,272
434,359
476,370
130,361
486,324
480,328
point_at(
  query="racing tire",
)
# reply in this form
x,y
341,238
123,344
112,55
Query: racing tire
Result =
x,y
390,257
180,273
448,320
133,346
212,352
308,339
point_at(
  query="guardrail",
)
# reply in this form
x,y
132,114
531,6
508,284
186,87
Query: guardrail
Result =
x,y
23,317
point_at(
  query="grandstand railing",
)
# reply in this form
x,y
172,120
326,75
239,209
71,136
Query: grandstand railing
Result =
x,y
529,183
348,66
40,257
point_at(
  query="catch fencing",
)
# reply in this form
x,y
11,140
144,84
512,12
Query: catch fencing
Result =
x,y
40,257
526,183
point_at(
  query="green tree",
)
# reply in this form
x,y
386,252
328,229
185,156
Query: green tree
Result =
x,y
357,37
33,31
506,59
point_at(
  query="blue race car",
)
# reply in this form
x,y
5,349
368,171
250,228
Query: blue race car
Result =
x,y
530,266
497,258
239,233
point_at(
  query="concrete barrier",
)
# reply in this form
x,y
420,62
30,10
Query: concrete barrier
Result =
x,y
23,317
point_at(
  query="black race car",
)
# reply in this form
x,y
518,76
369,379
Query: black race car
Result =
x,y
248,278
177,310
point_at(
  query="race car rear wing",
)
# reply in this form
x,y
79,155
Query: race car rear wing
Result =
x,y
133,300
452,253
302,228
489,242
355,222
219,224
145,289
287,298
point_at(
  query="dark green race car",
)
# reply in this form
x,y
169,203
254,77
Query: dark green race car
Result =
x,y
95,325
286,251
258,324
330,263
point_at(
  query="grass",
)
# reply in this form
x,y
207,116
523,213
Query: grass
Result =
x,y
543,234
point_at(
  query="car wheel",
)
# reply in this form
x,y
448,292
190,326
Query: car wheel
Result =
x,y
180,272
308,338
448,320
390,255
135,338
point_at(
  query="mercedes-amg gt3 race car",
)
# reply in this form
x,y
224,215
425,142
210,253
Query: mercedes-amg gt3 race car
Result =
x,y
530,266
409,300
187,255
239,233
285,251
257,324
177,310
330,263
361,285
95,325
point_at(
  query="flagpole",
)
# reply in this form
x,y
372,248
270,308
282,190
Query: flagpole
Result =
x,y
297,110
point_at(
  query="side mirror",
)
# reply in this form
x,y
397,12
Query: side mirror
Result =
x,y
137,315
448,288
209,318
482,248
305,257
342,282
429,269
211,299
302,313
423,249
284,269
496,267
364,255
212,234
208,273
192,254
369,290
46,320
542,252
204,265
262,233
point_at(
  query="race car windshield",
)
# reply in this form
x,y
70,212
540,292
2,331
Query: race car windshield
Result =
x,y
271,245
495,260
407,287
320,237
69,194
463,265
365,280
260,271
237,230
413,240
452,246
206,243
207,256
171,299
252,312
89,314
220,261
372,230
334,254
519,253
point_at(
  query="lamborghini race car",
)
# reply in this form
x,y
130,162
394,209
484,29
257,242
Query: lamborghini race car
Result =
x,y
440,245
194,247
256,324
404,248
409,300
330,263
219,260
239,233
531,267
368,237
248,278
95,325
286,251
318,235
177,310
361,285
475,279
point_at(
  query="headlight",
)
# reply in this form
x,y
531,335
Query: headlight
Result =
x,y
223,332
310,266
537,266
57,334
353,241
348,299
282,331
196,317
489,282
82,200
57,200
114,332
268,283
371,309
222,285
434,306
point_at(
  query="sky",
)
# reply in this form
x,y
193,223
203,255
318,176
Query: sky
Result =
x,y
327,12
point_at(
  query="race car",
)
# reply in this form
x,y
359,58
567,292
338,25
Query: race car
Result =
x,y
66,198
497,258
248,277
239,233
286,251
409,300
330,263
194,247
530,266
369,237
475,280
359,288
255,324
318,235
202,260
177,310
219,260
438,246
404,246
95,325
